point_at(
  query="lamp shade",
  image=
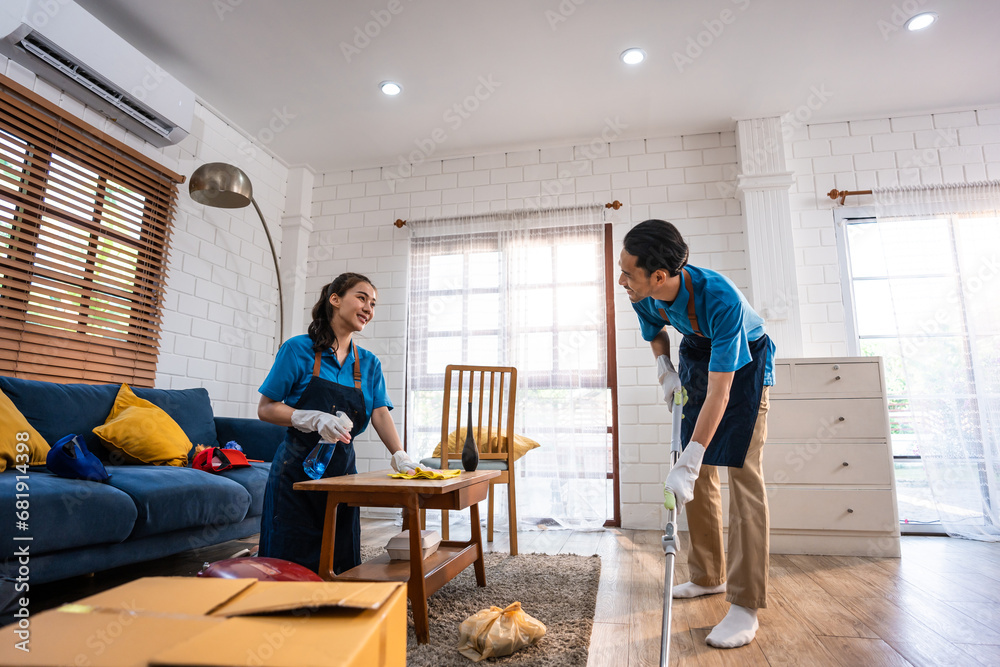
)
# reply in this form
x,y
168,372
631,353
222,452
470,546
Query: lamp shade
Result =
x,y
220,185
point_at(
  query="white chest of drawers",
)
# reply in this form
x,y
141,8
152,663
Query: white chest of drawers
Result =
x,y
828,460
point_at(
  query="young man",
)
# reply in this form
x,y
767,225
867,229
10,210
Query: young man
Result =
x,y
726,366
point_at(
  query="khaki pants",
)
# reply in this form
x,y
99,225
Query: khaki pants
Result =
x,y
746,576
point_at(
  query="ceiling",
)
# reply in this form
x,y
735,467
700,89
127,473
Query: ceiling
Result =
x,y
302,76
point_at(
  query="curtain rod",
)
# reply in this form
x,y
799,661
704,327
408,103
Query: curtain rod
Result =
x,y
615,205
844,194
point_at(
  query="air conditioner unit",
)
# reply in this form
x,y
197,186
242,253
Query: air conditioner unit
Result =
x,y
63,44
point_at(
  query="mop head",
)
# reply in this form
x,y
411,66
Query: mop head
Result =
x,y
668,499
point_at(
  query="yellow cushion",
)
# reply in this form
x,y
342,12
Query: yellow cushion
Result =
x,y
456,440
12,423
143,433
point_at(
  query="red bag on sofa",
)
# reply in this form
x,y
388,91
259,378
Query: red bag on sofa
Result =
x,y
217,459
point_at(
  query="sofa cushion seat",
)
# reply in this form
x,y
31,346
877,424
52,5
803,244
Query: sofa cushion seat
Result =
x,y
66,513
170,498
254,480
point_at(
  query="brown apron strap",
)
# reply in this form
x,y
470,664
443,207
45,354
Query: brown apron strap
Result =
x,y
357,366
693,316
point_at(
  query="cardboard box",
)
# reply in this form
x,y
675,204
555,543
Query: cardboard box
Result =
x,y
399,546
221,623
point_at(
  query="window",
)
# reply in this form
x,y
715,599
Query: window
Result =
x,y
84,229
923,291
534,299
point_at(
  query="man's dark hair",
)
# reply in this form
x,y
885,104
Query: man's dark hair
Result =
x,y
656,245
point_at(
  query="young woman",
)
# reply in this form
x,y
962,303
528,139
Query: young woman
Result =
x,y
315,376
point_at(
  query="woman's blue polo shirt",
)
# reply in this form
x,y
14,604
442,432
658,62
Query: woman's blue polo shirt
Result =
x,y
724,317
293,368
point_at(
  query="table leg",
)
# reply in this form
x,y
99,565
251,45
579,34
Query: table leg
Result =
x,y
417,587
329,535
477,539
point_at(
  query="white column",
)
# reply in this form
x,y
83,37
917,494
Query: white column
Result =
x,y
296,226
763,184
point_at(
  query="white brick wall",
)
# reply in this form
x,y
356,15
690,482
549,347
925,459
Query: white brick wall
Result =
x,y
683,179
220,302
925,149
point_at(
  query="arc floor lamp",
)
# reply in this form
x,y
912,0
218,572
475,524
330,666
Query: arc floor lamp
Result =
x,y
222,185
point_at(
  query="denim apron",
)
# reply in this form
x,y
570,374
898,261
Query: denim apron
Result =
x,y
292,521
732,438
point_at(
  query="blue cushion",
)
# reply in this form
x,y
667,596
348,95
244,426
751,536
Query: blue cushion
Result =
x,y
56,410
170,498
253,479
190,408
65,513
258,439
484,464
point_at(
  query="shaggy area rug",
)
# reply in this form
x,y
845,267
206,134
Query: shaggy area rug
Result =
x,y
560,591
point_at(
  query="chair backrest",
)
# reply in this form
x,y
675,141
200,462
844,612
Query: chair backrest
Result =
x,y
492,391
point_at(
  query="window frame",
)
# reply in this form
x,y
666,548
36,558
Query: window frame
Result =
x,y
606,365
862,214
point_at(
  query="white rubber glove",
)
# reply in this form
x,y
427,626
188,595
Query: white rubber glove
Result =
x,y
668,377
401,462
331,428
680,481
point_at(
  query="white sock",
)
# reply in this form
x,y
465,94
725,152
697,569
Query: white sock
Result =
x,y
693,590
738,628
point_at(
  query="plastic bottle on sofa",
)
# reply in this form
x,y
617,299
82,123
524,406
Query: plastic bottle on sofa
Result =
x,y
319,458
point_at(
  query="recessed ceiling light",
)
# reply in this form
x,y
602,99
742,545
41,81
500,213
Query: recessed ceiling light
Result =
x,y
921,21
633,56
390,87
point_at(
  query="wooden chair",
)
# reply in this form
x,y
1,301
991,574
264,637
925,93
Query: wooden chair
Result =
x,y
492,391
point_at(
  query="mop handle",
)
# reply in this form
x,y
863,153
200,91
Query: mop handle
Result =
x,y
670,534
675,423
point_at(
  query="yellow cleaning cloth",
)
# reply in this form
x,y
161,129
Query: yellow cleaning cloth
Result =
x,y
428,473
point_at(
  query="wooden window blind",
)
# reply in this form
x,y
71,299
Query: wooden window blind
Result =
x,y
84,232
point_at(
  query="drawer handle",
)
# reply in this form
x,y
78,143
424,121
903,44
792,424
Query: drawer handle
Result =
x,y
836,367
850,511
840,419
837,378
846,464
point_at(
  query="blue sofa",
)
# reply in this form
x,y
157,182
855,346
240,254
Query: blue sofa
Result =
x,y
144,512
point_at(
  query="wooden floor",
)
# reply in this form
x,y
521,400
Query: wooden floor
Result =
x,y
937,605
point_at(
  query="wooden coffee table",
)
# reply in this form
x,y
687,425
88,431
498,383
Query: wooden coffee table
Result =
x,y
424,576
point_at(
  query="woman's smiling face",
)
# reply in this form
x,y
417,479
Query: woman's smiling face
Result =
x,y
357,307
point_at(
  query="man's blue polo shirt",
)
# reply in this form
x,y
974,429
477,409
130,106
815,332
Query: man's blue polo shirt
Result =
x,y
293,368
724,317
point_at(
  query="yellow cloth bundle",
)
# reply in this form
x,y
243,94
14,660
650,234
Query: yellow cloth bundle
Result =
x,y
428,473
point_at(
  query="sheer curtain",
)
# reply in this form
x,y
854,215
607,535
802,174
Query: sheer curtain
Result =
x,y
940,249
525,289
